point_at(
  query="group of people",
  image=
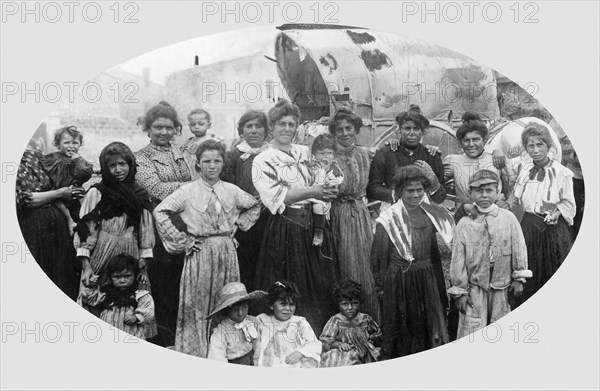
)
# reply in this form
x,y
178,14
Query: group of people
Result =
x,y
168,244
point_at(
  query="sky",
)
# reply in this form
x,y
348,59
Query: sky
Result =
x,y
212,48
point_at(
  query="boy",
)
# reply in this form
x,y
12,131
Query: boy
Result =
x,y
489,258
199,123
326,171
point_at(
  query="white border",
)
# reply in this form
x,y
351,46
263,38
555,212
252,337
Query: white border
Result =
x,y
560,54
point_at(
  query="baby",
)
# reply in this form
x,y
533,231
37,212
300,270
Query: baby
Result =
x,y
326,171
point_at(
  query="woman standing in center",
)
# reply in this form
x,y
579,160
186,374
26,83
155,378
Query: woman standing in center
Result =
x,y
350,218
285,184
407,267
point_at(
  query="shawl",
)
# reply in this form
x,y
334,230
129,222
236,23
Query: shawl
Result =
x,y
397,225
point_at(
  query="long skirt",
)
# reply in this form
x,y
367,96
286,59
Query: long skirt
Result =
x,y
204,273
46,232
547,247
164,273
249,249
107,247
287,253
353,237
414,316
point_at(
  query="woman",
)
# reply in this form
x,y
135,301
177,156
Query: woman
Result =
x,y
407,267
350,218
285,184
44,226
238,169
210,210
544,191
161,171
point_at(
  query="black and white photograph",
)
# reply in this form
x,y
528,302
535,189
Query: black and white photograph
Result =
x,y
191,189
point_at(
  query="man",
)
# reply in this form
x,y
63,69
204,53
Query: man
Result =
x,y
410,151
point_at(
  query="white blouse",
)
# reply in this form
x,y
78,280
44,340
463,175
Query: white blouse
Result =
x,y
275,172
554,192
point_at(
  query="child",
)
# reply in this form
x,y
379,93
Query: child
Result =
x,y
199,122
349,338
211,210
489,258
115,219
235,338
66,167
121,304
286,340
326,171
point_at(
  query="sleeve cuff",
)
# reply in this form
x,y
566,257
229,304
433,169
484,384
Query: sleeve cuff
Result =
x,y
83,252
146,253
521,275
456,291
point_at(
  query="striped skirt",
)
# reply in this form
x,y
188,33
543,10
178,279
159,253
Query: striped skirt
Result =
x,y
204,273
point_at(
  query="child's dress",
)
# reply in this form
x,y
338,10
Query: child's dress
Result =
x,y
279,339
361,333
236,343
210,213
114,308
331,175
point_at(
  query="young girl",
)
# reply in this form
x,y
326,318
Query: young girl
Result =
x,y
350,337
66,167
326,171
115,219
235,338
544,191
199,123
120,302
286,340
210,209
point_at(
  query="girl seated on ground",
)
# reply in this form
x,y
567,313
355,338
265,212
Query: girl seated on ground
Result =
x,y
286,340
350,337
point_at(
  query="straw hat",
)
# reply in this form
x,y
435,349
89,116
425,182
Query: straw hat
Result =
x,y
232,293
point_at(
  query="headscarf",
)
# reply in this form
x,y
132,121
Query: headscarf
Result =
x,y
118,198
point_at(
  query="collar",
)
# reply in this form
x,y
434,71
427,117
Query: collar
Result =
x,y
244,147
492,210
406,152
163,150
345,150
200,199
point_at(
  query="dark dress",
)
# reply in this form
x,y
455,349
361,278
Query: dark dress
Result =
x,y
45,228
161,171
287,252
414,301
238,170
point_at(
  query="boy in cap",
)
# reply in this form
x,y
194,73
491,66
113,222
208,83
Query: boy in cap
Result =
x,y
489,258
